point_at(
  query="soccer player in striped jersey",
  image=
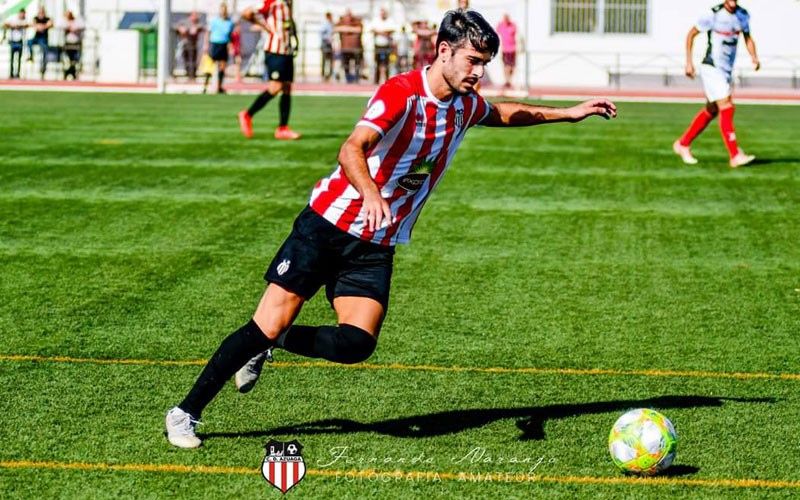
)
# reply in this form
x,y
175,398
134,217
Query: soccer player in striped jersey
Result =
x,y
723,23
345,239
274,16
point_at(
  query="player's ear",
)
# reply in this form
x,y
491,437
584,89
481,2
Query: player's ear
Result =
x,y
445,51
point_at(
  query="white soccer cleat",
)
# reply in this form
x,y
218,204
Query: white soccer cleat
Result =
x,y
247,376
684,152
741,159
180,429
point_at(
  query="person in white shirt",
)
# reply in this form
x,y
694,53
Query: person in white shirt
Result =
x,y
73,42
16,38
383,28
723,24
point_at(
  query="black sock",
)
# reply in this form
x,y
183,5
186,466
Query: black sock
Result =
x,y
220,77
232,354
285,107
259,103
340,344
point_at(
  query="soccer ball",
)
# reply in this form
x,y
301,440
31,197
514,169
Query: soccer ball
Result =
x,y
642,442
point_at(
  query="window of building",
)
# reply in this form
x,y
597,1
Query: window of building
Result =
x,y
599,16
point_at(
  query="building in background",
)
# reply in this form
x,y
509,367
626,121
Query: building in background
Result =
x,y
579,43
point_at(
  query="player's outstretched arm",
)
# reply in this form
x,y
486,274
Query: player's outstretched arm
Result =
x,y
353,159
518,114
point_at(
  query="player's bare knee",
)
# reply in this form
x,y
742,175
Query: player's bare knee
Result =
x,y
270,329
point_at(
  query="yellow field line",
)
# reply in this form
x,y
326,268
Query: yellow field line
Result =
x,y
374,475
398,366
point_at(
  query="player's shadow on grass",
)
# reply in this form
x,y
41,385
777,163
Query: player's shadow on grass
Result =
x,y
760,162
530,420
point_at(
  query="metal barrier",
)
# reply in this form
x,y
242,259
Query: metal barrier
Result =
x,y
614,69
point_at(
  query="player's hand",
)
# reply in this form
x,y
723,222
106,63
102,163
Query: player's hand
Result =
x,y
756,64
689,70
600,107
377,211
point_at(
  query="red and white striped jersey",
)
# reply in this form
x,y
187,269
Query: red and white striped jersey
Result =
x,y
420,135
278,17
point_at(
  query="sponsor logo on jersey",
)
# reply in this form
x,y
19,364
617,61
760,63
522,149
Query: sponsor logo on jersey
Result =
x,y
375,110
413,181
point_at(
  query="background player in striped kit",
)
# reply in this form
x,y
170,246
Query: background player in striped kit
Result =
x,y
275,16
723,24
345,238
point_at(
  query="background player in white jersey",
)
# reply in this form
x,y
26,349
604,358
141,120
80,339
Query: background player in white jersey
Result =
x,y
723,24
275,16
345,239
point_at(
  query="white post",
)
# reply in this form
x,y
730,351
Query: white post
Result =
x,y
164,16
527,47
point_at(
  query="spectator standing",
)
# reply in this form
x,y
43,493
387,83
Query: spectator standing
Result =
x,y
73,43
350,29
424,52
326,40
190,32
275,16
402,43
383,28
218,40
507,31
42,25
236,47
16,37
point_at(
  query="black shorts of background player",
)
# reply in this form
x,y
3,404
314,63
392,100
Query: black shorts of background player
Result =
x,y
275,16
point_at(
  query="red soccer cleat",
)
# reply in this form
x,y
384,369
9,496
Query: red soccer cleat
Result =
x,y
284,133
246,124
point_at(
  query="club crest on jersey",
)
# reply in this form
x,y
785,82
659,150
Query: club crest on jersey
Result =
x,y
459,118
283,267
283,465
413,181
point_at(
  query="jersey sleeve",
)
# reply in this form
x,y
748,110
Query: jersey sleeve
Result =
x,y
706,22
481,110
386,107
744,20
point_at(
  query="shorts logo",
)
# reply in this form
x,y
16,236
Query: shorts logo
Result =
x,y
375,110
284,266
275,75
283,465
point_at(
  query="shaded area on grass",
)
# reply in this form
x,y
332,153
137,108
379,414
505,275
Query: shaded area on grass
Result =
x,y
530,421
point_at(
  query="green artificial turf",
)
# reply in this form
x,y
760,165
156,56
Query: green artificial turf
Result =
x,y
588,265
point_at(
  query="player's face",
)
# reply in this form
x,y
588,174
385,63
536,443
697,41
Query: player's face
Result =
x,y
730,5
463,67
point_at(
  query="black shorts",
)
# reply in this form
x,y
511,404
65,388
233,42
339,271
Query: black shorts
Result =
x,y
218,51
278,67
318,253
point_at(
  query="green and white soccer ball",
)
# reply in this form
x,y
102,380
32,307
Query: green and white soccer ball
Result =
x,y
642,442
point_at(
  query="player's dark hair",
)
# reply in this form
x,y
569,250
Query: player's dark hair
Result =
x,y
461,26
